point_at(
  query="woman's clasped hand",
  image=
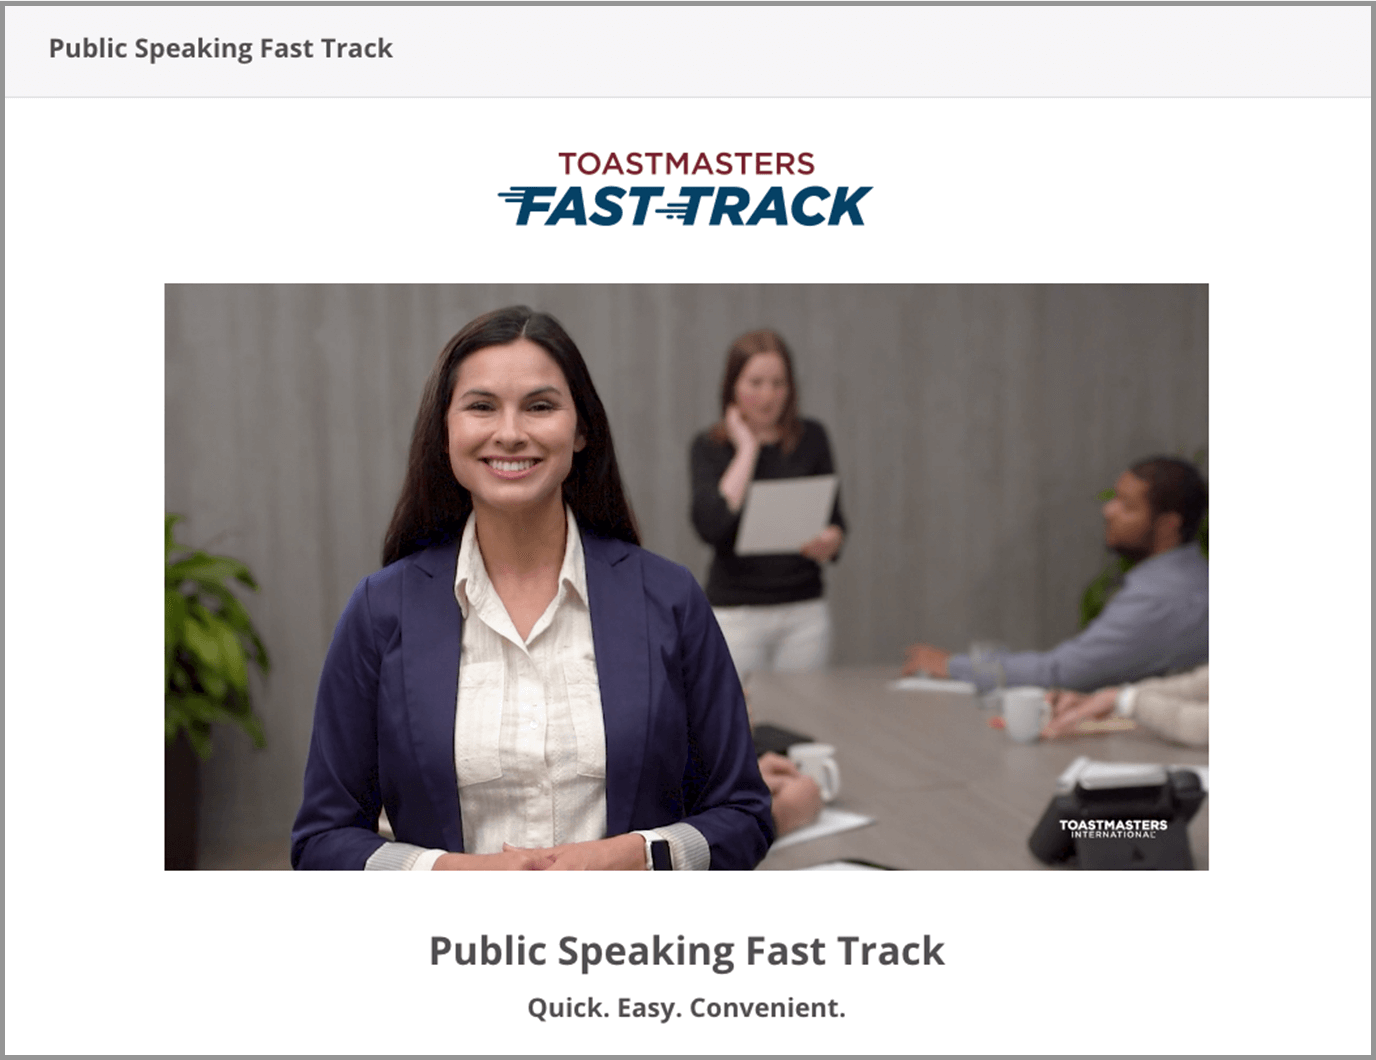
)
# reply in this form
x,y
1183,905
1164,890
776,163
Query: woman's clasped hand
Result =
x,y
617,853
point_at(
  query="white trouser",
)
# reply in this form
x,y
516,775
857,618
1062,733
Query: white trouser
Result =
x,y
777,636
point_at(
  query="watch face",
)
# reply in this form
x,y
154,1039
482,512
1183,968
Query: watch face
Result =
x,y
659,855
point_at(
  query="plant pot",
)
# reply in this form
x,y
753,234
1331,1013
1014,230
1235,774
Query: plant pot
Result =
x,y
181,803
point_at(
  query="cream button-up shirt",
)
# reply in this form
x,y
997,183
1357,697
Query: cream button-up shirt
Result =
x,y
530,751
529,747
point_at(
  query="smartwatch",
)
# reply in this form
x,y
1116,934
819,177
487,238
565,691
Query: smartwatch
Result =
x,y
657,855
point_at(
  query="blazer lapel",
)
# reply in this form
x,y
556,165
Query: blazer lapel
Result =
x,y
432,628
616,604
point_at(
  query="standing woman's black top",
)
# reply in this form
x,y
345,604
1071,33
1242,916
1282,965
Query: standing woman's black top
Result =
x,y
736,580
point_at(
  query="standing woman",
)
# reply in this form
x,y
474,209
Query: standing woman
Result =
x,y
521,686
770,607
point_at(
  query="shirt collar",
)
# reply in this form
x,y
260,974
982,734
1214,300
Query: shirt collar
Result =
x,y
1162,562
472,584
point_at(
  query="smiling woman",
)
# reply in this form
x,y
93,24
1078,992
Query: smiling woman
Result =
x,y
513,432
521,686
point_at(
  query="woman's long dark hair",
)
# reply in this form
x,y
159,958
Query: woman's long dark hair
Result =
x,y
744,348
433,507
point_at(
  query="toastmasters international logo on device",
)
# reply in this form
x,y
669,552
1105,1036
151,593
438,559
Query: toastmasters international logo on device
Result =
x,y
1136,828
630,194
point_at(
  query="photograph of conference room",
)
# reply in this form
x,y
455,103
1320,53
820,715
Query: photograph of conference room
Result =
x,y
972,431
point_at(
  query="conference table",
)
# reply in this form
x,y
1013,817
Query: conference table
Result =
x,y
946,790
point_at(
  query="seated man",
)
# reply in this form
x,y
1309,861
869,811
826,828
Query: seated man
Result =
x,y
1158,622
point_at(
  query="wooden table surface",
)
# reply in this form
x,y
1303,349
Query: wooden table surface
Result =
x,y
946,790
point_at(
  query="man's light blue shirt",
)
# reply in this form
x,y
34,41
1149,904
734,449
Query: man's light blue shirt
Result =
x,y
1158,623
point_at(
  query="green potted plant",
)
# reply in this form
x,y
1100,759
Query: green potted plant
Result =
x,y
210,644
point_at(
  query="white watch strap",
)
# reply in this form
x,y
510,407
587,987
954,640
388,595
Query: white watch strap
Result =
x,y
650,836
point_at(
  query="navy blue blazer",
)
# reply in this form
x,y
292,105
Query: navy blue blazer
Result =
x,y
678,740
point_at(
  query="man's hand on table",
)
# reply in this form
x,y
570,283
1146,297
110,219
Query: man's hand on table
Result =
x,y
923,658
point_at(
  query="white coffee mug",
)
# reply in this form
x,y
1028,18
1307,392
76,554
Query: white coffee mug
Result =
x,y
818,761
1024,712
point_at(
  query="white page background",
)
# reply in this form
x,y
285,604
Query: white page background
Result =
x,y
1264,200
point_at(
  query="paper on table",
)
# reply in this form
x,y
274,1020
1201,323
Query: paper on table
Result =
x,y
829,822
782,515
843,866
1098,725
931,684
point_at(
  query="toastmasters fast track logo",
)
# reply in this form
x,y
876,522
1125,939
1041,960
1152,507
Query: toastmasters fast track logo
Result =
x,y
628,191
